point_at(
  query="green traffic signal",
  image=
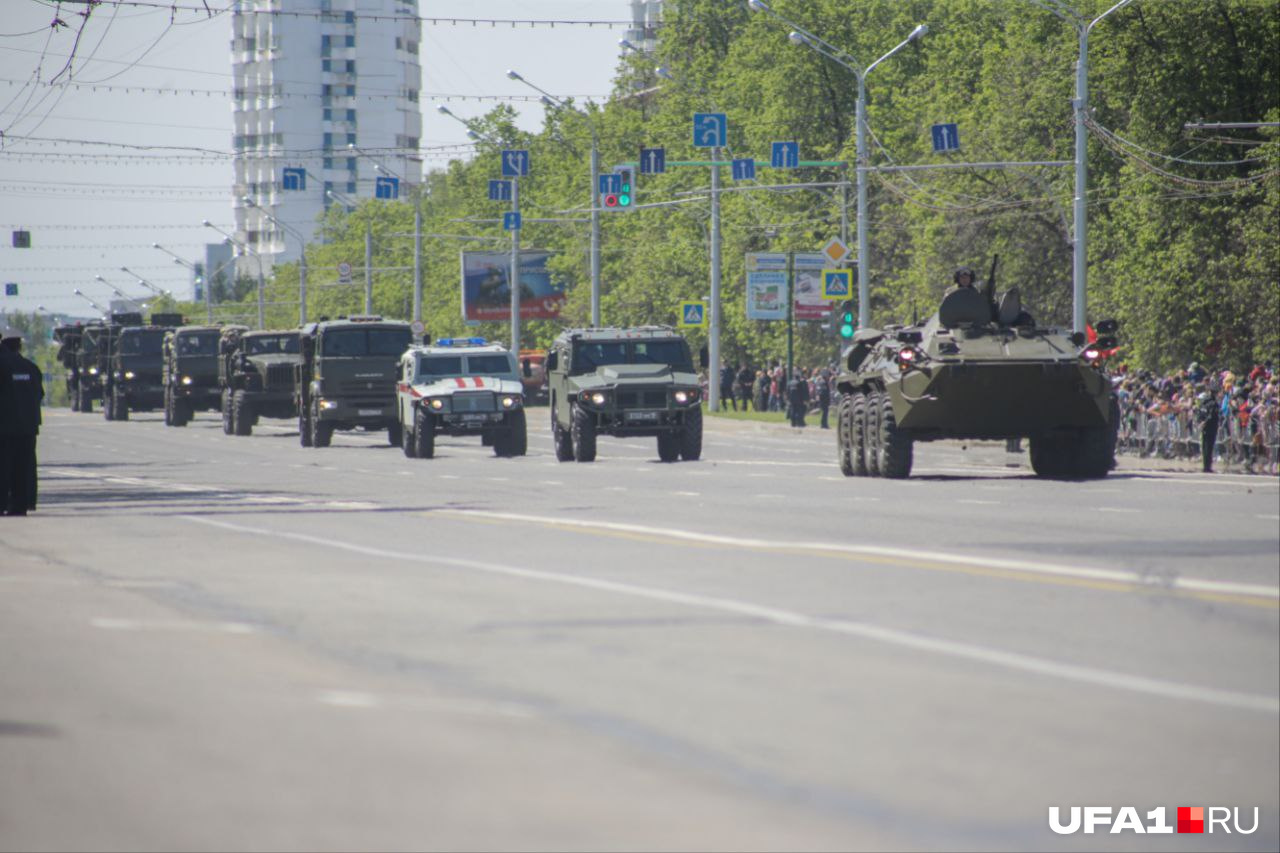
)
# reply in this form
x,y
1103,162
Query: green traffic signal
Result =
x,y
847,324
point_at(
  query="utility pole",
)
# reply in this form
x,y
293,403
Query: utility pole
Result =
x,y
368,268
713,337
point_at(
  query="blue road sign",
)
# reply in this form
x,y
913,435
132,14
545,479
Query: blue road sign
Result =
x,y
515,162
692,314
294,179
744,169
653,161
710,130
785,155
499,191
837,284
610,184
11,289
946,137
511,221
385,187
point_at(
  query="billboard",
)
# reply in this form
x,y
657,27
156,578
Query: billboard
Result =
x,y
767,286
486,289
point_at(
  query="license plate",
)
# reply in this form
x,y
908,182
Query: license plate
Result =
x,y
642,416
471,419
368,413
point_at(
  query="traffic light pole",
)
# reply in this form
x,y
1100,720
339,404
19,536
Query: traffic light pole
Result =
x,y
713,336
791,314
514,278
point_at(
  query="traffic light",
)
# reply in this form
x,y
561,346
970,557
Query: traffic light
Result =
x,y
624,198
846,322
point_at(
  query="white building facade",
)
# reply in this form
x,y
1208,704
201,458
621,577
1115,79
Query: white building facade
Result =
x,y
312,79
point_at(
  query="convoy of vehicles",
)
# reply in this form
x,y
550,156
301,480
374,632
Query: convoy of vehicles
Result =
x,y
190,374
255,376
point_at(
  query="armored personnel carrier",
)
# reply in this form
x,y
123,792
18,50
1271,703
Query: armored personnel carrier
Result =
x,y
190,375
135,359
978,369
623,382
347,377
461,386
255,376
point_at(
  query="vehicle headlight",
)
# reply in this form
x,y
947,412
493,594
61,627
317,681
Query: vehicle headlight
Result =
x,y
328,404
93,371
1090,354
682,397
128,374
437,404
595,398
508,402
186,380
909,357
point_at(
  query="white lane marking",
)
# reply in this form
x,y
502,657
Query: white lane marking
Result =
x,y
979,502
498,479
1116,509
347,699
1029,566
450,477
551,482
615,488
792,619
1270,517
828,479
769,496
867,499
688,494
110,624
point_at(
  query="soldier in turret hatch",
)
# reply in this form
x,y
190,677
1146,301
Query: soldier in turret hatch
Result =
x,y
964,277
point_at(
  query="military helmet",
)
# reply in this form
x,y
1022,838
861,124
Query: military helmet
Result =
x,y
964,271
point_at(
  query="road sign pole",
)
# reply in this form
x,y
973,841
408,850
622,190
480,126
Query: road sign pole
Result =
x,y
595,230
713,335
368,268
791,316
417,257
514,278
302,285
1079,254
864,284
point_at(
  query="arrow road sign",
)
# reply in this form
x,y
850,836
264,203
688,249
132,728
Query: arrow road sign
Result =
x,y
710,130
837,284
499,191
294,179
610,184
515,162
744,169
384,187
653,161
785,155
11,289
511,221
692,315
945,137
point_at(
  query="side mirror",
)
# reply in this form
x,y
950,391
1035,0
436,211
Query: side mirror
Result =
x,y
426,337
553,360
1079,338
1107,327
704,356
1105,342
527,368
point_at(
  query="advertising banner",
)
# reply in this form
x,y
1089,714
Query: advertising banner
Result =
x,y
810,306
767,277
486,289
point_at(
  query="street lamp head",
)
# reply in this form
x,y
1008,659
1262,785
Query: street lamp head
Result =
x,y
155,245
473,135
100,278
206,223
511,75
77,292
626,45
757,6
443,110
798,37
248,201
546,102
664,72
918,31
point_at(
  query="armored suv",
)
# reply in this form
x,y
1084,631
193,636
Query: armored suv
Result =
x,y
135,359
623,382
190,373
460,386
256,374
347,377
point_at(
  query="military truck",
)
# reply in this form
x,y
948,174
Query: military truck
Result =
x,y
255,376
346,378
623,382
977,369
134,364
69,339
190,373
460,386
90,359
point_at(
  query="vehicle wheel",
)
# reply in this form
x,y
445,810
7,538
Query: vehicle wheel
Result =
x,y
844,435
226,412
583,434
86,400
304,429
73,398
513,440
895,446
1048,455
489,438
321,431
168,407
395,434
107,413
691,435
241,414
561,438
407,443
858,434
668,446
183,412
424,434
1091,454
120,407
871,433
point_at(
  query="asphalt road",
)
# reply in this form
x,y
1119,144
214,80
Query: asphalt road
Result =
x,y
236,643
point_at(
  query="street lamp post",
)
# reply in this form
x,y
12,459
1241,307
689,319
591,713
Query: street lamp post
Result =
x,y
148,285
302,257
80,293
139,304
262,285
808,39
415,190
552,101
208,297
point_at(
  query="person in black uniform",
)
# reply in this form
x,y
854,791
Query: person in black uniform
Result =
x,y
798,396
727,375
1209,414
21,391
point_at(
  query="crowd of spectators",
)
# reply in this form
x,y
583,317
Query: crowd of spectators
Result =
x,y
1166,415
770,389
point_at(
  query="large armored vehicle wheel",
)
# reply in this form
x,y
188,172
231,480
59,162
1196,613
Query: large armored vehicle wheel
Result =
x,y
1049,455
488,438
226,413
182,412
241,414
406,443
304,429
844,435
424,434
121,407
583,433
395,434
86,400
321,431
894,445
513,440
168,406
561,438
858,434
73,399
1091,454
871,433
668,446
107,413
691,435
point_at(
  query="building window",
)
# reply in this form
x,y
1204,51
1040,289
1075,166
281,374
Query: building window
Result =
x,y
326,65
351,116
349,18
328,188
351,91
351,139
351,164
328,162
351,66
351,41
326,90
351,187
328,114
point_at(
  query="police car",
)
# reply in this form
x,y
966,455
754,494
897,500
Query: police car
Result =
x,y
460,386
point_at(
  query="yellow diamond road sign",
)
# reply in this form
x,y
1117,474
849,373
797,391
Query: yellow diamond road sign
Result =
x,y
692,315
835,250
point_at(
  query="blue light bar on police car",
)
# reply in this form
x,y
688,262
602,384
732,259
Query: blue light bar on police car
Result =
x,y
460,342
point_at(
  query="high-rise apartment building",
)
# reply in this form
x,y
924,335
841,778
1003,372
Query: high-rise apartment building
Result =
x,y
313,77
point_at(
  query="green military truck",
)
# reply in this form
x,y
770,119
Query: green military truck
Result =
x,y
255,376
190,373
69,339
135,364
623,382
346,378
90,359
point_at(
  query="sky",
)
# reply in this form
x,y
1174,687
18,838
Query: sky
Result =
x,y
143,76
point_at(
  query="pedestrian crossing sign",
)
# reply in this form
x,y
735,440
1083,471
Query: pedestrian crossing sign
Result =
x,y
693,315
837,284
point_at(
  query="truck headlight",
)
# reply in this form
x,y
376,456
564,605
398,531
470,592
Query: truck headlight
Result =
x,y
437,404
186,380
685,397
328,404
93,371
508,402
595,398
128,374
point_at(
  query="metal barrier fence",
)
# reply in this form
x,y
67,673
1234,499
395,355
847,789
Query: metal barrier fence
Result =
x,y
1254,448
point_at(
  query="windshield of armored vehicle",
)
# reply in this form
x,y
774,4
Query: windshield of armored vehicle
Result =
x,y
198,343
490,365
347,343
89,343
272,344
441,365
588,355
141,342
